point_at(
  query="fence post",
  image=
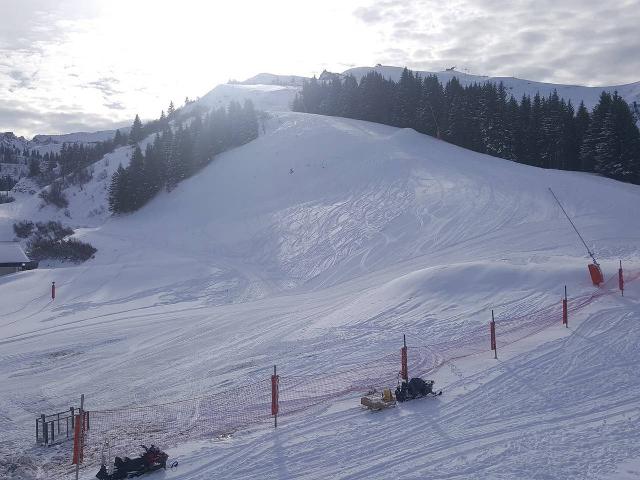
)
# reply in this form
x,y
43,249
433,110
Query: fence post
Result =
x,y
37,431
45,431
71,410
53,431
275,381
565,312
78,438
621,279
492,328
53,290
404,372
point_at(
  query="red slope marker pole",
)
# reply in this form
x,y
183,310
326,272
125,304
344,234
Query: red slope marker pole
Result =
x,y
275,390
404,372
565,312
492,329
78,438
621,279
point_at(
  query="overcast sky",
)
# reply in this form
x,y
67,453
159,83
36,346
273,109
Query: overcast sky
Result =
x,y
73,65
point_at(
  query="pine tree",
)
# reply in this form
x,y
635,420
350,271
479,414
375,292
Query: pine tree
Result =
x,y
551,132
298,105
234,120
616,153
173,167
156,165
350,98
330,105
533,142
374,98
455,114
116,190
135,171
489,128
34,167
430,107
136,134
249,122
312,93
594,135
569,142
582,122
171,111
406,101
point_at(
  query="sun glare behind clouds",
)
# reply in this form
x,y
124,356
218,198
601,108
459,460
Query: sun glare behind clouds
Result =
x,y
69,65
124,57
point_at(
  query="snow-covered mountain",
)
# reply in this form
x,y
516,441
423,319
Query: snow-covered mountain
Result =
x,y
276,92
515,86
53,143
268,97
271,79
11,140
44,141
315,247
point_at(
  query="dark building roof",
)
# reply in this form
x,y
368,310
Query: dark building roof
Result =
x,y
12,255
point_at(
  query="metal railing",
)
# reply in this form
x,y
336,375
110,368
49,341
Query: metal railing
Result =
x,y
57,427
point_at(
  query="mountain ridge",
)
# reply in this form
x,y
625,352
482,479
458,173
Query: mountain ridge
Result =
x,y
279,99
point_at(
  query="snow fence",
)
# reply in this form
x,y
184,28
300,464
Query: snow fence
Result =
x,y
221,414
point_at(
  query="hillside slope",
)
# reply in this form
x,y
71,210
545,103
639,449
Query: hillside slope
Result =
x,y
315,248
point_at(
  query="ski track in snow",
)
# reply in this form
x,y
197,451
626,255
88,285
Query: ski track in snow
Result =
x,y
378,232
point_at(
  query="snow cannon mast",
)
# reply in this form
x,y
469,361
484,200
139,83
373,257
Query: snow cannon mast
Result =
x,y
594,268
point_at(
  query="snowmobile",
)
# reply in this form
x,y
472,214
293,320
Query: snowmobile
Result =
x,y
151,460
416,388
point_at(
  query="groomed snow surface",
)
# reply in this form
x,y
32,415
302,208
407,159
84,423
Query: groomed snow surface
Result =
x,y
316,247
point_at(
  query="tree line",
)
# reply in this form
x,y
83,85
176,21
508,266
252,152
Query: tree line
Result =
x,y
547,132
178,152
73,157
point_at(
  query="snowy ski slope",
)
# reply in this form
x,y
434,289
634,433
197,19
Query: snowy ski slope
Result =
x,y
315,248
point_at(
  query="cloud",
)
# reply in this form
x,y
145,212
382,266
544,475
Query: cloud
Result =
x,y
27,24
106,85
573,41
115,106
17,118
66,64
369,14
22,79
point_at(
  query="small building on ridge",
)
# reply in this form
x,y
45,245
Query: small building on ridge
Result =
x,y
13,259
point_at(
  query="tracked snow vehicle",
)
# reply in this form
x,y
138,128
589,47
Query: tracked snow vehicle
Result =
x,y
151,460
416,388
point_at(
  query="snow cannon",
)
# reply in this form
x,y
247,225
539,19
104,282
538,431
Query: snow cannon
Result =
x,y
596,274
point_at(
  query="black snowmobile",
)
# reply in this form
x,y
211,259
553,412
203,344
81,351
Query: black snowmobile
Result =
x,y
151,460
415,388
